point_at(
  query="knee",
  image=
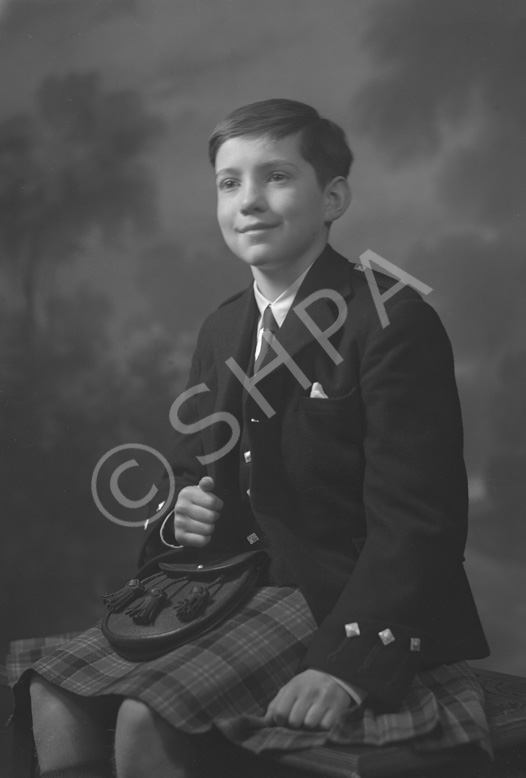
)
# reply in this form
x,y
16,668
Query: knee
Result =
x,y
65,731
136,737
134,718
46,699
145,744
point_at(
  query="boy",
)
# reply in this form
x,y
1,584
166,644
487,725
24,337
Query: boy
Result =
x,y
339,448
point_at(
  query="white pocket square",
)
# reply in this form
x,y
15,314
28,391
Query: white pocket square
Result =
x,y
317,391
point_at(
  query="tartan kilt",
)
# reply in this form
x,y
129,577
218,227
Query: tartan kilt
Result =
x,y
226,678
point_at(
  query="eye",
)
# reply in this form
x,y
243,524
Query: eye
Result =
x,y
278,176
227,184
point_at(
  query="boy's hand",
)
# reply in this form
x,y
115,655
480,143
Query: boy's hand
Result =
x,y
196,512
311,700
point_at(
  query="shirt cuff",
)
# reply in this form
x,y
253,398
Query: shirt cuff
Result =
x,y
357,694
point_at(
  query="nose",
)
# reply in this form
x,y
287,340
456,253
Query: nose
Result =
x,y
252,199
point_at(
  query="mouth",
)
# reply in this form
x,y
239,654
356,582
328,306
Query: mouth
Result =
x,y
256,228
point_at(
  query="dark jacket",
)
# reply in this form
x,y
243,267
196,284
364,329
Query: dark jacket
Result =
x,y
362,496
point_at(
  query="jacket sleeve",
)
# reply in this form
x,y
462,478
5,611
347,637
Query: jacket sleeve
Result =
x,y
415,499
186,469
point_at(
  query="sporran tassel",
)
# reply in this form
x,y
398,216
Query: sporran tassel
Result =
x,y
194,605
117,601
146,610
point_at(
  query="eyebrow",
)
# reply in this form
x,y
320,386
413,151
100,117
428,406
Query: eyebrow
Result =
x,y
269,164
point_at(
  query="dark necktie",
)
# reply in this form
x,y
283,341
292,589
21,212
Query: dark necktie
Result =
x,y
270,326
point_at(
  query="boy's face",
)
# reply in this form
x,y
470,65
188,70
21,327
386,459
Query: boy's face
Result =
x,y
271,209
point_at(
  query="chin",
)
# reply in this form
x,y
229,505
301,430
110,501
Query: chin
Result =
x,y
257,258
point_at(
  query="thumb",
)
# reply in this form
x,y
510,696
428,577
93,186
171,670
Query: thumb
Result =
x,y
207,484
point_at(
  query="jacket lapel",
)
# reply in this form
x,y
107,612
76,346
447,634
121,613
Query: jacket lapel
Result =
x,y
330,271
235,330
236,325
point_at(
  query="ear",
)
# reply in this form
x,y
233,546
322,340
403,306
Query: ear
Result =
x,y
337,198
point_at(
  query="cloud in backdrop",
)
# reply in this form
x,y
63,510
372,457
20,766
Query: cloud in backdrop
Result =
x,y
432,98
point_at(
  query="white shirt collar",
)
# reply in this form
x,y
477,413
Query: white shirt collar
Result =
x,y
282,304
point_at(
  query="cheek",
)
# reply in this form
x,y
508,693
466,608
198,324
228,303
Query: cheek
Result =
x,y
296,210
224,218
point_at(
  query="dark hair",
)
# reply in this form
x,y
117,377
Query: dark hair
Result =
x,y
322,142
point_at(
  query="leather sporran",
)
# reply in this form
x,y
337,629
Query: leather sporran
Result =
x,y
177,597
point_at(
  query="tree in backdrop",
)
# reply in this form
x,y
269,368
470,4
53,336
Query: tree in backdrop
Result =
x,y
73,167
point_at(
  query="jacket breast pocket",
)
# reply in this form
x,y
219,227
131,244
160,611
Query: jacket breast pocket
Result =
x,y
337,416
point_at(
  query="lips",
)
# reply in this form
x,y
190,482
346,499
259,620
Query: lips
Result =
x,y
256,227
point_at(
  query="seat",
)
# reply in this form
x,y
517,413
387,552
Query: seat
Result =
x,y
505,708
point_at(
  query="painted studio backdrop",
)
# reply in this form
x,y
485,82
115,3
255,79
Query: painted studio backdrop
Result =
x,y
110,256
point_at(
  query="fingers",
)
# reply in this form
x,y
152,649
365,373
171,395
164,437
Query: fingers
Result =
x,y
297,712
207,484
307,715
328,720
203,494
196,511
311,700
198,500
196,540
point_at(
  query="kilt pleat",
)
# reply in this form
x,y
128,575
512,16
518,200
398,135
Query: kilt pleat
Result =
x,y
226,678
